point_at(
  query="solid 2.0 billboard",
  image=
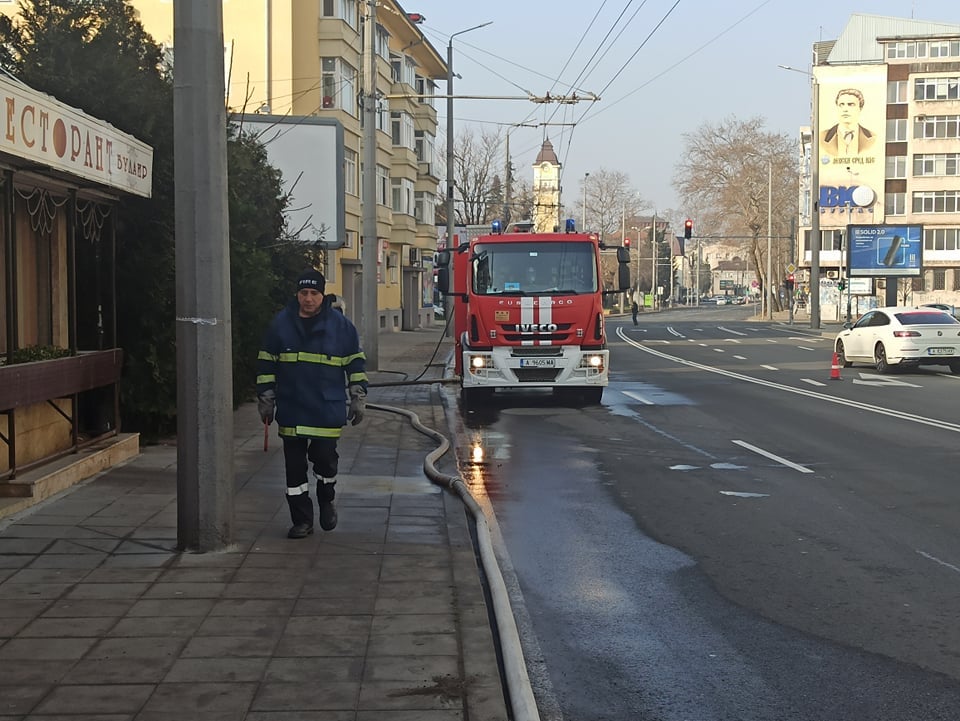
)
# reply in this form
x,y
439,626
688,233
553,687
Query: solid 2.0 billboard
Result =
x,y
885,250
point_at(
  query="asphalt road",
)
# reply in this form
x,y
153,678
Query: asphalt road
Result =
x,y
733,535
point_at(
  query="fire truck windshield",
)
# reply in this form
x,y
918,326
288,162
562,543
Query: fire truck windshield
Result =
x,y
531,268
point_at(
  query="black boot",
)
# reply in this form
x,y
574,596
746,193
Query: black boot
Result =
x,y
328,509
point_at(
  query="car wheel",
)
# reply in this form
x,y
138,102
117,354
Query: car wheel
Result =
x,y
841,357
955,367
880,359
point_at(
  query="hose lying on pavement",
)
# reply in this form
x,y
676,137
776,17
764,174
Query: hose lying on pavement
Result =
x,y
522,702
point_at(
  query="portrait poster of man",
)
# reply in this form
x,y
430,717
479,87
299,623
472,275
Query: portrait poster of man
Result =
x,y
851,146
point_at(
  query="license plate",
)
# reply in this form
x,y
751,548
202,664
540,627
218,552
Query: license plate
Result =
x,y
538,362
940,351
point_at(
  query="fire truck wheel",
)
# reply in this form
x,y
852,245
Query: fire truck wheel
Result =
x,y
475,397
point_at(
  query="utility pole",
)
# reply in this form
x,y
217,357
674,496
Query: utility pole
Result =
x,y
203,331
815,239
370,319
653,253
769,284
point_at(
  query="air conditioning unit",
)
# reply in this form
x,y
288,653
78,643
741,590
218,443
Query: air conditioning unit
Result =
x,y
832,274
415,256
327,101
881,283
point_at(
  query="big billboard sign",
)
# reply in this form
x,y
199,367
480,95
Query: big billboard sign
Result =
x,y
852,142
885,250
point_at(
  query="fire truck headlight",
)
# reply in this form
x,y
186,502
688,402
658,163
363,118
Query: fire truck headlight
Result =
x,y
592,361
479,363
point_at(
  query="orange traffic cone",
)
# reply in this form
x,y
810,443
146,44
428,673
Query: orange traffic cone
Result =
x,y
835,368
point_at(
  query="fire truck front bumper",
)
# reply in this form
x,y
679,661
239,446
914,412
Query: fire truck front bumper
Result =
x,y
544,366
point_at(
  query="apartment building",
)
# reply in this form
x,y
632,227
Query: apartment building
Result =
x,y
888,154
305,58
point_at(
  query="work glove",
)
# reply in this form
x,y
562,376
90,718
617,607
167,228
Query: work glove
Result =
x,y
266,404
358,404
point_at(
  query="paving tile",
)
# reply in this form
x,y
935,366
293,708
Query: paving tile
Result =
x,y
15,561
108,574
261,627
9,627
21,699
172,607
75,560
24,608
280,607
84,546
259,590
414,623
217,670
110,591
10,591
445,693
418,715
198,575
49,575
228,646
185,590
337,695
10,545
410,669
318,644
338,606
119,671
96,699
302,716
45,649
314,669
80,608
89,627
205,698
138,560
32,672
138,647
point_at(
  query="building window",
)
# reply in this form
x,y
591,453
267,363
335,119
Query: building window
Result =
x,y
896,167
383,115
947,88
346,10
402,196
940,239
936,201
338,81
383,185
936,164
383,43
907,49
896,130
936,126
424,207
945,49
426,89
897,92
404,69
401,130
939,279
956,278
895,204
350,171
424,145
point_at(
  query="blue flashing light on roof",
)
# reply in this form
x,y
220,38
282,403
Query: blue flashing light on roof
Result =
x,y
497,227
571,225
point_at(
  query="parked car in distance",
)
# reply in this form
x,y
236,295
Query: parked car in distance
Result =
x,y
952,310
901,337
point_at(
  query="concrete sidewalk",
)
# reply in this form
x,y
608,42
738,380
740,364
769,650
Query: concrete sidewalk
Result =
x,y
383,618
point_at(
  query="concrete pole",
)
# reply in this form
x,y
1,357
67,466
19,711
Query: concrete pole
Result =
x,y
653,260
769,283
370,316
205,440
584,215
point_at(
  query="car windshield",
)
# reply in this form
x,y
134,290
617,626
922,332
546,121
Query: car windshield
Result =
x,y
926,317
528,268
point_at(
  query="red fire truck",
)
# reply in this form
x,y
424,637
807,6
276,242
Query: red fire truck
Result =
x,y
528,311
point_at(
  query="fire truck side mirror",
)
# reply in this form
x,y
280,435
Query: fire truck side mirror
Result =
x,y
623,269
443,271
623,255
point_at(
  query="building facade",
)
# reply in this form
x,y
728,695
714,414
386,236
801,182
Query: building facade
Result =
x,y
546,190
888,155
305,58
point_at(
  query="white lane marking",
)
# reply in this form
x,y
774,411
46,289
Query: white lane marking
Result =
x,y
732,340
809,339
812,382
719,350
937,560
730,330
770,368
869,379
727,467
773,457
803,347
739,357
772,340
673,331
744,494
902,415
638,397
683,467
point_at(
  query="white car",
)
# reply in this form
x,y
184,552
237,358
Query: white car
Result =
x,y
901,337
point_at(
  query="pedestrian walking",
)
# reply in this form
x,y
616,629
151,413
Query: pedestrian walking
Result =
x,y
309,362
636,309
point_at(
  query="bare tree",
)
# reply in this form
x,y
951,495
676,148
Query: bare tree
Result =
x,y
477,171
609,200
727,170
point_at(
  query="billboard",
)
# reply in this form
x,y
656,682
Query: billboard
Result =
x,y
851,143
885,250
308,151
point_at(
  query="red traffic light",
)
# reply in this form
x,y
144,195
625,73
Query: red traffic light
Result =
x,y
687,228
626,242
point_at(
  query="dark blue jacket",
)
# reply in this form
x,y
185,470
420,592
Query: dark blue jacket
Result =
x,y
310,372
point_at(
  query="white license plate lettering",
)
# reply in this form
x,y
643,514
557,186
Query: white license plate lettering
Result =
x,y
940,351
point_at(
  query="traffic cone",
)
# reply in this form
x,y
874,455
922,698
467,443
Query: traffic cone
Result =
x,y
835,368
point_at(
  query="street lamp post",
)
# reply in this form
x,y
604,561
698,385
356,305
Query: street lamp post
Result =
x,y
583,215
450,157
769,239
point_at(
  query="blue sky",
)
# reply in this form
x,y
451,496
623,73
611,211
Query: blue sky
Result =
x,y
706,61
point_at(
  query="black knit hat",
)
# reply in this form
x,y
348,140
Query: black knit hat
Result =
x,y
311,279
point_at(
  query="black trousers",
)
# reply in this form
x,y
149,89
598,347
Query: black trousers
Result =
x,y
297,452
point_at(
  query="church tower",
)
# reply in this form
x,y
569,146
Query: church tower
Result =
x,y
546,190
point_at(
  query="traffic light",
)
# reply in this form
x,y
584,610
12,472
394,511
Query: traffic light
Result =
x,y
789,282
626,242
687,228
841,284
